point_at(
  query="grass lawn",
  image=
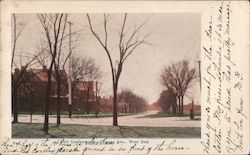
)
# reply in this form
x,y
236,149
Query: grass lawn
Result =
x,y
101,115
164,114
26,130
81,115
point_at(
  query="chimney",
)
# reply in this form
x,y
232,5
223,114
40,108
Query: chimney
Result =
x,y
16,70
44,67
22,67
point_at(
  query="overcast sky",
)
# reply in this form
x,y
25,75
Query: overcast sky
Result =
x,y
173,36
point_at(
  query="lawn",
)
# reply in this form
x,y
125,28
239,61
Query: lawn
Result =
x,y
19,130
163,114
80,115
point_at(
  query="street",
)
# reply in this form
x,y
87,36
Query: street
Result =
x,y
132,120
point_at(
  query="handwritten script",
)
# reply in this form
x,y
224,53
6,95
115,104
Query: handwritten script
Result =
x,y
223,81
82,146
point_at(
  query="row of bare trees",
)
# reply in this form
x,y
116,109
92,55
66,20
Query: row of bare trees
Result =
x,y
20,79
55,44
130,102
54,26
55,54
85,69
176,79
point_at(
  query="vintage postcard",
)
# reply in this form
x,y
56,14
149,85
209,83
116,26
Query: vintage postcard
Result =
x,y
124,77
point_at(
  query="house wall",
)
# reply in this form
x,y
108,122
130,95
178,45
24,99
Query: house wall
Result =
x,y
26,104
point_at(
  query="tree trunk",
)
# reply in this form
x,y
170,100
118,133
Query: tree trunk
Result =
x,y
58,102
14,101
87,108
70,105
84,102
182,106
70,110
84,105
97,108
47,102
31,106
98,105
179,107
97,99
115,122
174,106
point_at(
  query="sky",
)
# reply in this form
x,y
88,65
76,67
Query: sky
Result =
x,y
173,37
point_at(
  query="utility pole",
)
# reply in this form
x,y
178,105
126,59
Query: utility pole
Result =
x,y
192,110
69,73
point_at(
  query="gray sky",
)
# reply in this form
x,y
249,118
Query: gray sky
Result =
x,y
174,37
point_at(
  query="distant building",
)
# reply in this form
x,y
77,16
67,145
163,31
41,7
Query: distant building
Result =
x,y
106,104
189,106
31,93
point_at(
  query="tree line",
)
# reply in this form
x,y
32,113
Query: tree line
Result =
x,y
176,80
56,51
131,103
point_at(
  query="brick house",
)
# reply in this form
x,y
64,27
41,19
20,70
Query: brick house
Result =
x,y
31,94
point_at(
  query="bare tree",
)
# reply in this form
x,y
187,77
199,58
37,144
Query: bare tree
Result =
x,y
61,60
59,67
43,58
127,44
85,71
177,79
187,76
21,78
17,30
131,102
53,26
167,100
89,83
100,90
170,82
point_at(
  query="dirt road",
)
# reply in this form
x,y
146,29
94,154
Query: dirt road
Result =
x,y
132,120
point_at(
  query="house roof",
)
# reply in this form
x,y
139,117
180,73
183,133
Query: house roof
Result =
x,y
41,74
81,85
189,106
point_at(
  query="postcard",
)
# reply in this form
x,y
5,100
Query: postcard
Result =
x,y
124,77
